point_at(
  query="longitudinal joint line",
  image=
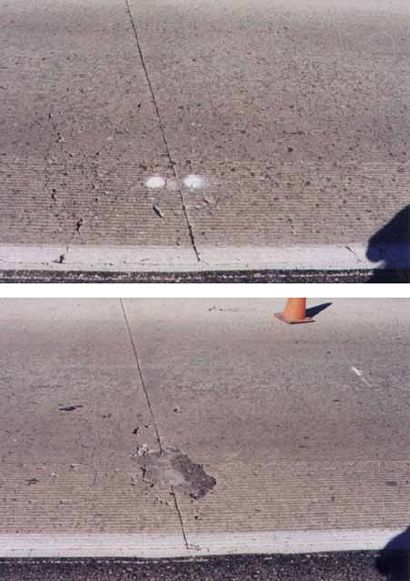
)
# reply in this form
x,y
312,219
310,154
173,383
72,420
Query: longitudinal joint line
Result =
x,y
134,348
162,130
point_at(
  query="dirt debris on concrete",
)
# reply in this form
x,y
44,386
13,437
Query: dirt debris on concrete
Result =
x,y
70,408
158,210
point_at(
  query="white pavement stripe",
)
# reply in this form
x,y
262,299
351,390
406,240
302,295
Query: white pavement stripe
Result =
x,y
293,542
360,374
163,546
176,259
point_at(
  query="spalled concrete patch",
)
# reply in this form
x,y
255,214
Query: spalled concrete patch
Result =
x,y
172,467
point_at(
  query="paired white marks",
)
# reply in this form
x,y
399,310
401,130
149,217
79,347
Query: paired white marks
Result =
x,y
192,181
360,374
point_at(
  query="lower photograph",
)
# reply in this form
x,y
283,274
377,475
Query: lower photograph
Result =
x,y
205,439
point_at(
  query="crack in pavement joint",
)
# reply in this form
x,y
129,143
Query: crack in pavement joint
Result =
x,y
174,496
162,130
134,348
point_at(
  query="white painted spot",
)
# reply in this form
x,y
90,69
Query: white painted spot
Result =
x,y
155,182
193,181
360,374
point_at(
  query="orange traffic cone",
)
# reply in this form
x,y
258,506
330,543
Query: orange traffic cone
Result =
x,y
295,312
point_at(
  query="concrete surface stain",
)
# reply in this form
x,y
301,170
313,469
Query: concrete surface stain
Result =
x,y
172,467
172,185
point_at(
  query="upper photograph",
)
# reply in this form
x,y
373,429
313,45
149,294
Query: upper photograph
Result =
x,y
205,141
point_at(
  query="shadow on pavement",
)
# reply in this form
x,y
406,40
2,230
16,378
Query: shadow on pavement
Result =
x,y
313,311
391,244
394,560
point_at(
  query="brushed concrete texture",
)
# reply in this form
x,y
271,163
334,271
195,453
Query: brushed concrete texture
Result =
x,y
302,426
274,203
289,392
79,131
65,468
294,114
286,123
246,81
293,495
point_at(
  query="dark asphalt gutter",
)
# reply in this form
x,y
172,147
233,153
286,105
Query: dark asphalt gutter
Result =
x,y
227,276
345,566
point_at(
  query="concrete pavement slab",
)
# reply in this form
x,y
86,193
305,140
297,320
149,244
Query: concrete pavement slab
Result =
x,y
80,136
295,436
71,404
204,135
290,117
302,427
235,353
295,204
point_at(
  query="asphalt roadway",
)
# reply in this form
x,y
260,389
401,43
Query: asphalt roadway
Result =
x,y
227,276
154,136
357,566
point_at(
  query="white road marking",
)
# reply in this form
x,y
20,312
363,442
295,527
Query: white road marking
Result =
x,y
194,182
360,374
155,182
161,546
179,259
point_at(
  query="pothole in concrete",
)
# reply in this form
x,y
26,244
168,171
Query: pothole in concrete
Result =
x,y
173,468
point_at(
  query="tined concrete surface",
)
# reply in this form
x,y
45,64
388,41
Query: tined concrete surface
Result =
x,y
303,427
221,124
202,426
80,135
292,116
71,400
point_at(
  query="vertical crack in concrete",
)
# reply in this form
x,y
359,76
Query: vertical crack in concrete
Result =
x,y
144,387
181,522
162,130
134,348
